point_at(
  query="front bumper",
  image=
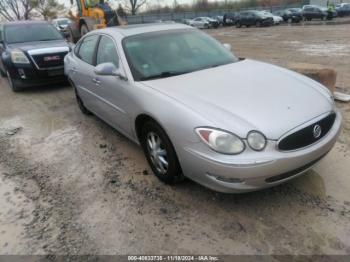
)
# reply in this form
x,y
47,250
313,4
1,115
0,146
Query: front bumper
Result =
x,y
28,76
251,170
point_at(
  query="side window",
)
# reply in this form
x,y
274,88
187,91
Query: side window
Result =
x,y
76,48
87,49
107,52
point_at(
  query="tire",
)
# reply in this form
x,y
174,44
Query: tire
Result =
x,y
80,103
2,74
258,24
238,25
84,30
160,153
71,37
13,85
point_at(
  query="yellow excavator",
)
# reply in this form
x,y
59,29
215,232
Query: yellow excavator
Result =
x,y
92,14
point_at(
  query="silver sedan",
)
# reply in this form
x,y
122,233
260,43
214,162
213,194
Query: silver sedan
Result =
x,y
233,125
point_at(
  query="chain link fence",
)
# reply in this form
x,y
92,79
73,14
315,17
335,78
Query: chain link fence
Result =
x,y
180,16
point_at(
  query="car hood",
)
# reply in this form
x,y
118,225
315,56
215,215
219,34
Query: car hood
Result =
x,y
249,95
38,45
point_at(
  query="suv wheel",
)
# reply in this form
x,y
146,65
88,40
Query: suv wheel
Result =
x,y
84,30
238,25
258,24
2,73
12,84
160,153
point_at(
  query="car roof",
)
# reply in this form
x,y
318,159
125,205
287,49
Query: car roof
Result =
x,y
143,28
26,22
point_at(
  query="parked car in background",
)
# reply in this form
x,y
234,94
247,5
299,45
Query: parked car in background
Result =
x,y
230,18
31,53
288,16
204,22
255,18
343,9
276,19
169,88
219,18
296,12
310,12
61,25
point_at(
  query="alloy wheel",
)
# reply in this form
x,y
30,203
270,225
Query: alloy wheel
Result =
x,y
157,152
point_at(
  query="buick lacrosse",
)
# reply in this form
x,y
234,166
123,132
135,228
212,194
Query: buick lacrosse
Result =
x,y
233,125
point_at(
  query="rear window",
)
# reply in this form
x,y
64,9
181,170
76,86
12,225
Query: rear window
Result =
x,y
22,33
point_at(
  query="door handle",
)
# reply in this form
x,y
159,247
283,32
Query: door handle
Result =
x,y
74,70
96,81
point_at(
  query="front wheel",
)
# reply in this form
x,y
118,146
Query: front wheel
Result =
x,y
160,153
258,24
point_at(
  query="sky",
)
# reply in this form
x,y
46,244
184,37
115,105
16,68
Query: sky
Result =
x,y
67,2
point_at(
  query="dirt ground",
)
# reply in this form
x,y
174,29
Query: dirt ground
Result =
x,y
70,184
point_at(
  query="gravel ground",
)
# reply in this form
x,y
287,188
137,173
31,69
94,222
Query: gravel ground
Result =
x,y
70,184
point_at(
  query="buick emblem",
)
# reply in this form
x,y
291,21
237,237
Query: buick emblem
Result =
x,y
317,131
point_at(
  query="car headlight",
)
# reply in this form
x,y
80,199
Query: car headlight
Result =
x,y
18,57
256,140
221,141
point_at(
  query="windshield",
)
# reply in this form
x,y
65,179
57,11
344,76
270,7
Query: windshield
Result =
x,y
168,53
63,22
21,33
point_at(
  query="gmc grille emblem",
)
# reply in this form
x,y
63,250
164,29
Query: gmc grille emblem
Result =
x,y
52,58
317,131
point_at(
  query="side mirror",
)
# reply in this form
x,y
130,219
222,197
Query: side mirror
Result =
x,y
109,69
227,46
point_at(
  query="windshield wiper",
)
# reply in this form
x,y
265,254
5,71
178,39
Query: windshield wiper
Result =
x,y
163,75
47,40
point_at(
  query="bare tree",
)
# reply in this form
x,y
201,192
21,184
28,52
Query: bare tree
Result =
x,y
48,9
133,5
12,10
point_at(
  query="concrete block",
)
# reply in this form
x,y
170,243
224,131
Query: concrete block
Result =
x,y
320,73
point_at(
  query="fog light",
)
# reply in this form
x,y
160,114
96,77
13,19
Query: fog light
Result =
x,y
21,73
226,179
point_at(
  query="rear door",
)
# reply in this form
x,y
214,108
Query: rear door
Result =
x,y
83,71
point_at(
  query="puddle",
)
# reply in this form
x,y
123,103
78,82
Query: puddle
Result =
x,y
325,49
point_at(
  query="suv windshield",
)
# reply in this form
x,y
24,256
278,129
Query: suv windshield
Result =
x,y
63,22
169,53
21,33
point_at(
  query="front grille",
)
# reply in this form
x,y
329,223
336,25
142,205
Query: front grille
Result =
x,y
305,136
45,61
293,172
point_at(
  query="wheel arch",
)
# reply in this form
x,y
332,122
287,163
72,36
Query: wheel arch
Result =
x,y
140,120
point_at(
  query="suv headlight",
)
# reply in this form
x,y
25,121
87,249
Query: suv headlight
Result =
x,y
256,140
18,57
221,141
